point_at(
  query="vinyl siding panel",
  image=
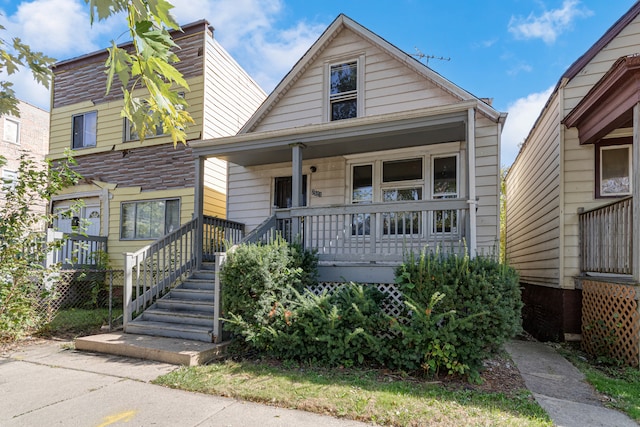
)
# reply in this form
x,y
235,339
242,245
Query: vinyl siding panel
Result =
x,y
533,203
388,86
231,96
487,185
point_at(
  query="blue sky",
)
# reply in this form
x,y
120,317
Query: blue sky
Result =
x,y
513,51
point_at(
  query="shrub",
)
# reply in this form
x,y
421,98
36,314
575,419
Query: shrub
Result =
x,y
255,276
461,310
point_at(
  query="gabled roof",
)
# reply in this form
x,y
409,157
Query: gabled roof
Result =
x,y
340,23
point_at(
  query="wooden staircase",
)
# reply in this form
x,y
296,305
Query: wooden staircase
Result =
x,y
186,311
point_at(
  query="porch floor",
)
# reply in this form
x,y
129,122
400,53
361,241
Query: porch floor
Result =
x,y
168,350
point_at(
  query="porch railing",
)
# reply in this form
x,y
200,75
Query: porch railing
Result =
x,y
79,251
151,271
606,236
377,231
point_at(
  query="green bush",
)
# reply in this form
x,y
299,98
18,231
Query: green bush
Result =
x,y
477,309
255,276
457,311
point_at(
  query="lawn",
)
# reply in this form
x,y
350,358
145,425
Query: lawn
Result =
x,y
377,396
620,383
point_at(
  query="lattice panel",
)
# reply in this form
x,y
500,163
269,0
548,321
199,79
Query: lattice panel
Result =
x,y
610,321
393,305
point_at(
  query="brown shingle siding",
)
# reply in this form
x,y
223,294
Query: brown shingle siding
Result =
x,y
149,167
84,78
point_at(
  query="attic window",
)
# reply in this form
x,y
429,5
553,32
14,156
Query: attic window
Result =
x,y
343,90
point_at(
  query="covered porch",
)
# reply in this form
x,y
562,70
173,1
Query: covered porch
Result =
x,y
365,233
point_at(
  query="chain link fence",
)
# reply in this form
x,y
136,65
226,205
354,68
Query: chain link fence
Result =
x,y
85,289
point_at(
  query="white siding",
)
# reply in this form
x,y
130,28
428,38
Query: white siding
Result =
x,y
389,86
487,186
230,95
533,203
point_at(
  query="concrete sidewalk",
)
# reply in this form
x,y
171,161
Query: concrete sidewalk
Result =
x,y
51,384
561,389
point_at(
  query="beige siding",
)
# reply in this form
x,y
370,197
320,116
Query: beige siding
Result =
x,y
389,86
533,203
487,185
230,96
215,187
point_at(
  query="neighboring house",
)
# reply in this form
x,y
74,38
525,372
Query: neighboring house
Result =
x,y
365,153
573,199
135,193
25,135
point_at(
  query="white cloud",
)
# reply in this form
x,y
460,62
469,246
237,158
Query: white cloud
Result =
x,y
249,30
522,115
550,24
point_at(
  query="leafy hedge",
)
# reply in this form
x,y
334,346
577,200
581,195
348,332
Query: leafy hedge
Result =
x,y
457,311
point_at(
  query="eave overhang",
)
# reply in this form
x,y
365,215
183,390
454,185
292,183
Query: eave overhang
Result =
x,y
609,103
353,136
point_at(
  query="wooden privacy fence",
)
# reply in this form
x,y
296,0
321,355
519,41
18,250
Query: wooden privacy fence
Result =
x,y
606,235
610,321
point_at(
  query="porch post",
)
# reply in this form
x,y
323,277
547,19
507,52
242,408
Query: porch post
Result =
x,y
296,186
198,202
635,249
471,174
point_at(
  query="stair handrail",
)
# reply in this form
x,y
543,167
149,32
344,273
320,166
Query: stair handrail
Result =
x,y
156,267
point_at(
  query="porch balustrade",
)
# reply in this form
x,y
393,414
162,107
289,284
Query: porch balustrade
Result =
x,y
606,236
377,231
78,251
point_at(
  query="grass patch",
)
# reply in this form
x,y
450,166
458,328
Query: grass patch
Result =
x,y
76,322
364,395
620,383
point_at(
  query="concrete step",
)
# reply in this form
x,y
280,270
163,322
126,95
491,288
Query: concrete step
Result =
x,y
168,350
172,330
191,294
180,317
177,304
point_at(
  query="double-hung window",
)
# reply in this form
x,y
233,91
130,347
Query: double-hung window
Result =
x,y
84,130
11,130
445,186
401,182
150,219
343,90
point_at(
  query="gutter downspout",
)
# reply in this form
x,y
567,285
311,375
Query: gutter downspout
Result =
x,y
635,263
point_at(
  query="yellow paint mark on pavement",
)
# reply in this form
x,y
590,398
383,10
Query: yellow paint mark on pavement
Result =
x,y
122,416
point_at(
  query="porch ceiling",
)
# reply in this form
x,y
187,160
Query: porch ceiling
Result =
x,y
609,104
338,138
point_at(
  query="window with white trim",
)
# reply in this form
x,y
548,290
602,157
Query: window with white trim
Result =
x,y
150,219
615,170
84,130
343,90
404,179
11,131
445,186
